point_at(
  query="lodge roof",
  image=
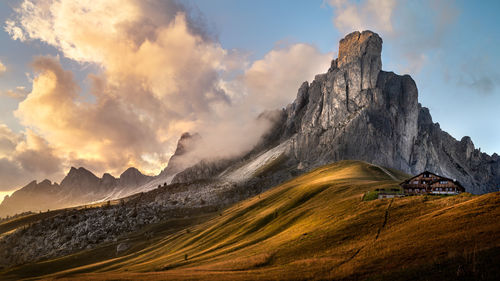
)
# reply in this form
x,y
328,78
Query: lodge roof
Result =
x,y
440,178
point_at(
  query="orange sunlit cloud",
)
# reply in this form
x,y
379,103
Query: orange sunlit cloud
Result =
x,y
159,76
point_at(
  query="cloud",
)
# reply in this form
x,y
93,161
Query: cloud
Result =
x,y
412,33
14,31
108,134
273,81
36,156
368,14
477,73
160,74
11,174
267,84
18,93
483,85
3,69
24,157
8,140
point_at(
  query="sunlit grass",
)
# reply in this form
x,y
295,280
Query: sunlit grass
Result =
x,y
315,226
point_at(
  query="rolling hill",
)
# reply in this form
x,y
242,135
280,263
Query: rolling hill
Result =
x,y
314,227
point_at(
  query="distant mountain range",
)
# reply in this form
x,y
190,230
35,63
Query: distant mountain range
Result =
x,y
354,111
80,186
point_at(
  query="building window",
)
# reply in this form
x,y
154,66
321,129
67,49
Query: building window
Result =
x,y
415,182
443,182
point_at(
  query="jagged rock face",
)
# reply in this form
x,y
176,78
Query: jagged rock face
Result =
x,y
359,55
379,123
357,111
79,181
177,163
436,150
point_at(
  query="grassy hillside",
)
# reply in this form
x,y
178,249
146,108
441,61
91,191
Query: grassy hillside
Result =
x,y
314,227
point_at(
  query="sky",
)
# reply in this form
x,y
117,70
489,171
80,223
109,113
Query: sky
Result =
x,y
113,84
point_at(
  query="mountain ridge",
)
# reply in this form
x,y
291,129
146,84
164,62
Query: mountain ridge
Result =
x,y
353,111
358,111
79,186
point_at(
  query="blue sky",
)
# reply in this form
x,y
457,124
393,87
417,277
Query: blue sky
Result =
x,y
448,47
468,50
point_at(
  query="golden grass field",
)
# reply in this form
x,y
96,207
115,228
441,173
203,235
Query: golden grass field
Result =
x,y
314,227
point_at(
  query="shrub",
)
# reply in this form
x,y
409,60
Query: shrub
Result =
x,y
370,195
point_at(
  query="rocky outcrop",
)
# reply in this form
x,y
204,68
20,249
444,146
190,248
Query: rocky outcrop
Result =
x,y
359,55
72,230
357,111
177,163
436,150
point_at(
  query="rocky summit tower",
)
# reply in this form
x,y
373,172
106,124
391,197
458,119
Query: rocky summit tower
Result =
x,y
358,111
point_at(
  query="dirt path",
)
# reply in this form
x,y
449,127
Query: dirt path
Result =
x,y
386,216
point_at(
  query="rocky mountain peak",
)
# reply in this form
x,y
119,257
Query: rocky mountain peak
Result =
x,y
74,172
46,182
108,179
357,111
79,177
186,142
133,177
130,172
80,186
33,184
356,45
106,176
360,59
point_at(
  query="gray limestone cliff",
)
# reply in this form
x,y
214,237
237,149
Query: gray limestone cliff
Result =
x,y
357,111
